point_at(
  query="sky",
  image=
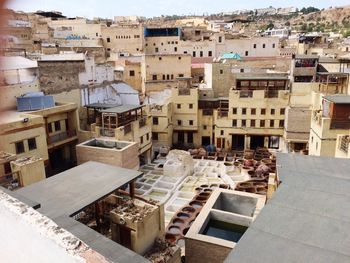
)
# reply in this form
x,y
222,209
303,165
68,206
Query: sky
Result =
x,y
150,8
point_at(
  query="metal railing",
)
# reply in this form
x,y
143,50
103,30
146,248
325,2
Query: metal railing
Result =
x,y
246,94
344,144
107,132
340,123
271,94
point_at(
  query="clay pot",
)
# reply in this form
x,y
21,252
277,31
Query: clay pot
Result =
x,y
204,186
208,190
196,204
183,216
178,222
175,230
188,209
249,162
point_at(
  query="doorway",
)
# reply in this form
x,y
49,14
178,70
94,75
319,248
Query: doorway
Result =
x,y
238,142
257,141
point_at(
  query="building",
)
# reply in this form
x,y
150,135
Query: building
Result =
x,y
330,118
159,72
185,117
253,114
124,123
313,193
18,75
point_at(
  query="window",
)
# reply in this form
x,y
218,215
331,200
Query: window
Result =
x,y
253,111
163,77
244,123
282,111
181,75
204,127
141,139
167,76
262,123
155,121
160,58
263,111
190,122
108,40
190,106
264,45
273,111
156,50
178,106
31,144
97,34
175,49
242,70
281,123
222,132
234,110
49,127
234,123
273,45
154,77
179,58
246,53
221,71
132,73
252,123
244,111
254,46
57,125
220,39
155,136
179,122
194,54
274,142
147,136
201,53
210,53
19,147
272,123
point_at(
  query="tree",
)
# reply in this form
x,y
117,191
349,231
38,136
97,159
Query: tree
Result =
x,y
309,9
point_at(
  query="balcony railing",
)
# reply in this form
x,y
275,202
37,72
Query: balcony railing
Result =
x,y
10,181
344,143
61,136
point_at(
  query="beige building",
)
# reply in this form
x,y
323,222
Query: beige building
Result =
x,y
253,115
161,71
330,118
124,39
124,123
185,114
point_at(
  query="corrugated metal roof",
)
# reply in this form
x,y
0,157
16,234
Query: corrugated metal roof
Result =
x,y
307,219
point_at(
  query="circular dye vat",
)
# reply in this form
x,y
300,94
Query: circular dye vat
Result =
x,y
183,215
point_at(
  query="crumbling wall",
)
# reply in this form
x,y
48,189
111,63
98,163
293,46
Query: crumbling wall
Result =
x,y
59,76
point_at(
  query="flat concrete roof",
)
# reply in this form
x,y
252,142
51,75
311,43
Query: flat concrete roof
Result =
x,y
307,219
67,193
71,191
338,99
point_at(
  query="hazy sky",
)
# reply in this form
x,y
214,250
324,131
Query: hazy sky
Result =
x,y
149,8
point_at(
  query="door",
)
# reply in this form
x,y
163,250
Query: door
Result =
x,y
257,141
238,142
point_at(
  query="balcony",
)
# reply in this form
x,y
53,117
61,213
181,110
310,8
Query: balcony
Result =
x,y
59,137
344,143
127,129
